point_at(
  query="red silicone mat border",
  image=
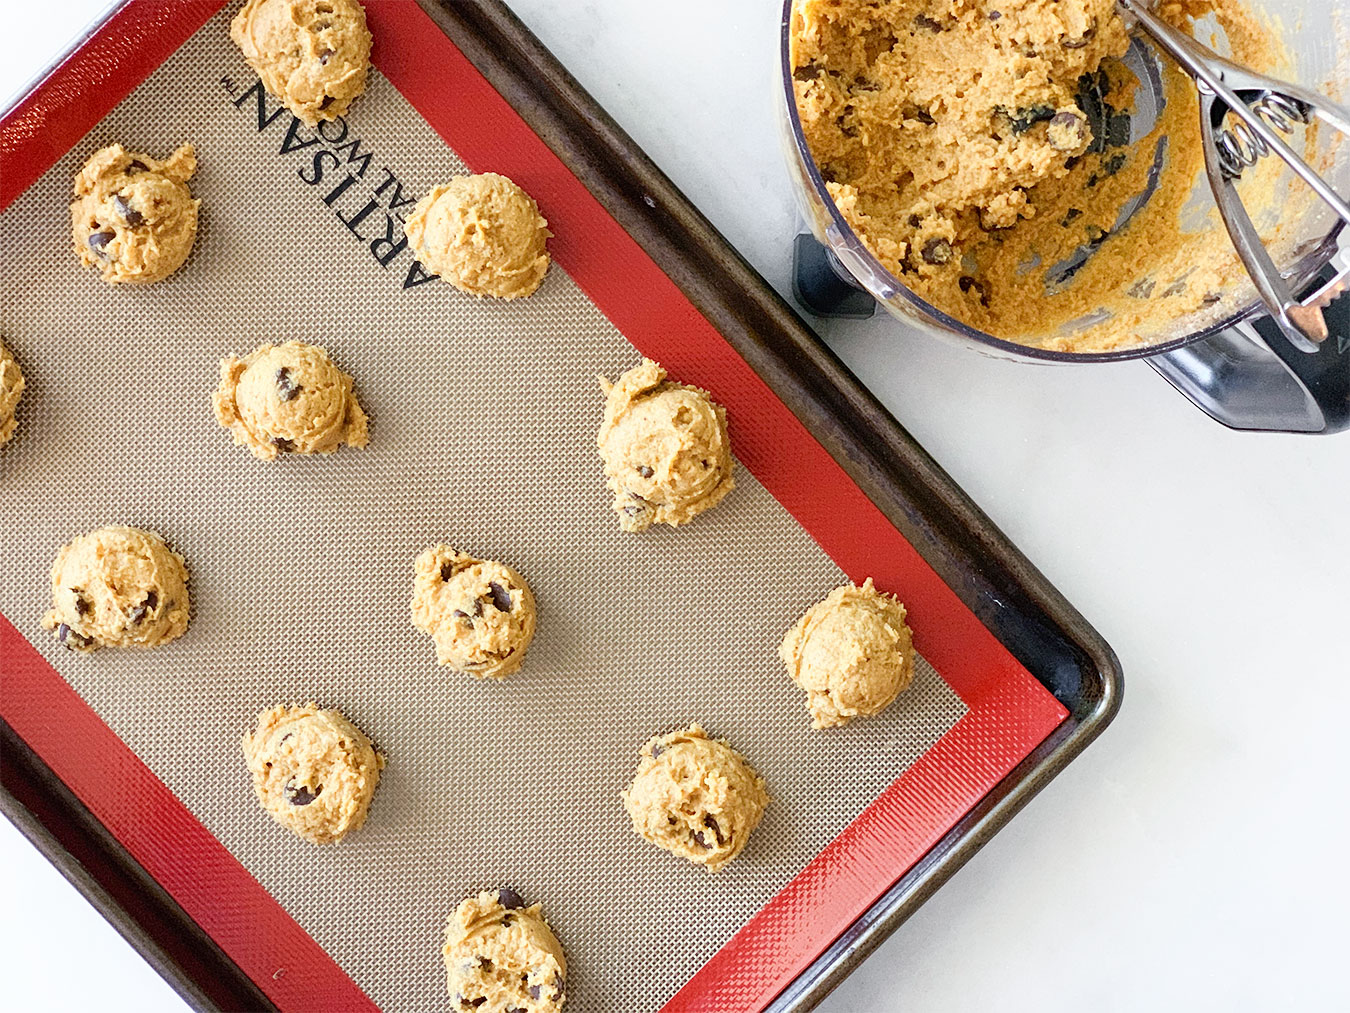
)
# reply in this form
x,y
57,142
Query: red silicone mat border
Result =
x,y
1009,711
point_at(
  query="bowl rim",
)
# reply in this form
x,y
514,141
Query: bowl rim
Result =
x,y
957,328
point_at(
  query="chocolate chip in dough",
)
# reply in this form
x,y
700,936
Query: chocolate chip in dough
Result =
x,y
447,571
283,444
936,251
924,21
287,389
645,471
325,56
129,214
509,899
1067,130
71,639
715,827
137,166
806,72
98,242
501,598
1082,40
299,794
82,605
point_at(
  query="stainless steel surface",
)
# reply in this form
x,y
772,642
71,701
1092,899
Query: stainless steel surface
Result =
x,y
1264,107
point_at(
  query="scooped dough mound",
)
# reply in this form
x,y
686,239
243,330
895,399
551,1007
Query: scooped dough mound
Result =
x,y
482,234
311,54
852,653
117,587
479,612
501,956
695,797
314,771
133,216
11,389
665,447
288,398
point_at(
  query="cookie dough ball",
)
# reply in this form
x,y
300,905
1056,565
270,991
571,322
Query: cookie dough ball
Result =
x,y
117,587
479,612
311,54
501,956
313,770
482,234
11,389
133,217
695,797
288,398
852,653
665,447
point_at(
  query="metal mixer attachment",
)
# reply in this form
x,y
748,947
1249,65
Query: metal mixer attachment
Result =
x,y
1264,107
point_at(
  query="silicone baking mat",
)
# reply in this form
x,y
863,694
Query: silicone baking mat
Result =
x,y
483,416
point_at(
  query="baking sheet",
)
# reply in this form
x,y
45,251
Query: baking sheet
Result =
x,y
482,434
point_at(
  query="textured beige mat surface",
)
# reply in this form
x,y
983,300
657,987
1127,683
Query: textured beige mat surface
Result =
x,y
483,417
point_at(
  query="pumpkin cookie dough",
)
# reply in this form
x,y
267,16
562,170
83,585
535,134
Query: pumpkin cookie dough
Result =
x,y
11,389
133,216
117,587
288,398
313,770
985,154
479,612
852,653
501,957
695,797
482,234
311,54
665,447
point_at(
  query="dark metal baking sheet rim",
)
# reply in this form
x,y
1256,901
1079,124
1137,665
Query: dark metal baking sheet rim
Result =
x,y
1014,600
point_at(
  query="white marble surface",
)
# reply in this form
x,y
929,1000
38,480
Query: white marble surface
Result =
x,y
1193,857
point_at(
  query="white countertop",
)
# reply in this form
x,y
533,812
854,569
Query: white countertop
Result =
x,y
1194,856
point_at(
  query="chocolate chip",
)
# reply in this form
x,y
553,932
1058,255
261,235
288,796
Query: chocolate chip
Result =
x,y
327,101
1070,215
924,21
698,838
138,614
712,825
936,251
508,921
151,599
323,57
71,639
536,991
558,986
657,750
447,571
994,15
82,605
299,794
1082,40
137,166
645,471
806,72
1023,119
485,963
283,444
1210,298
509,899
915,221
1114,164
1067,130
98,242
967,283
287,389
129,214
461,614
501,598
